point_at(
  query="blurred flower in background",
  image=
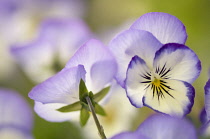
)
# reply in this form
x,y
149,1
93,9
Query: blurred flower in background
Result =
x,y
16,117
57,41
21,18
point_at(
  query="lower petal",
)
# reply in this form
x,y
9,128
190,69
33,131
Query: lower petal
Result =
x,y
49,112
176,100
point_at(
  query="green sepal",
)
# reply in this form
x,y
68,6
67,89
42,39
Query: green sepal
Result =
x,y
72,107
84,105
99,110
91,95
84,116
101,94
83,92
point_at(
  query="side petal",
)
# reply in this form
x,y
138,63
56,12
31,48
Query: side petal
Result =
x,y
130,43
207,99
137,74
98,62
180,61
60,88
165,27
49,112
175,98
166,127
14,110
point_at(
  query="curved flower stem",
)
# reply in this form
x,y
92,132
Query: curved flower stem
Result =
x,y
100,128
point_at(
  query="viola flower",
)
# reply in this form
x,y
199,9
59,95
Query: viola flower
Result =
x,y
156,75
20,20
56,43
162,127
205,129
16,118
63,89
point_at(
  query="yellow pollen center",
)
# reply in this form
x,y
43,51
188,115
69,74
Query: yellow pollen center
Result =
x,y
156,82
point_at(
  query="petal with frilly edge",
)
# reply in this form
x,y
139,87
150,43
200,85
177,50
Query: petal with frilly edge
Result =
x,y
177,61
129,135
14,110
130,43
207,98
165,27
60,88
49,112
166,127
137,74
98,62
172,97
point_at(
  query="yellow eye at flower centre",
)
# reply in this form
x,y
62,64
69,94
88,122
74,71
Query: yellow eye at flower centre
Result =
x,y
156,82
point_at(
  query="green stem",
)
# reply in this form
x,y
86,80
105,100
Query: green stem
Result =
x,y
100,128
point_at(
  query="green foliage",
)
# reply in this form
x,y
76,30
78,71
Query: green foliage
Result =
x,y
84,116
101,94
83,92
99,110
72,107
82,104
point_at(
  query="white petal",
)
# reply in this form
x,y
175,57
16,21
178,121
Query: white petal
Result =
x,y
49,112
165,27
177,100
183,62
135,89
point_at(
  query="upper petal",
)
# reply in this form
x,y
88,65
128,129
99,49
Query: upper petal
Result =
x,y
98,62
165,27
60,88
137,74
49,112
166,127
172,97
130,43
179,61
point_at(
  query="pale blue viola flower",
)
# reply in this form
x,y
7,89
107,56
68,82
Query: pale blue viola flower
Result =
x,y
156,75
16,117
129,135
162,127
205,116
156,29
56,43
93,63
20,20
